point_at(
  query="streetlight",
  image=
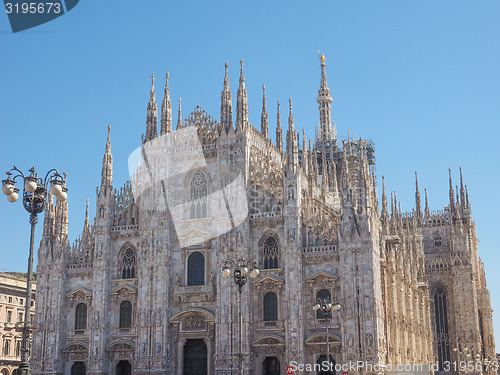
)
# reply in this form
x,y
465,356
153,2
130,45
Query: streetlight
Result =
x,y
34,201
241,272
326,306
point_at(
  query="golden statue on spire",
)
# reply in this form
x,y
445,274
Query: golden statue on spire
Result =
x,y
322,58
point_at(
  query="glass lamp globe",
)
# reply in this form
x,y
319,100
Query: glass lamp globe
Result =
x,y
56,188
316,307
13,197
63,196
226,273
336,307
30,185
8,187
254,273
328,305
244,270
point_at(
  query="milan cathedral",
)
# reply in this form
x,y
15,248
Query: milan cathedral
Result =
x,y
141,291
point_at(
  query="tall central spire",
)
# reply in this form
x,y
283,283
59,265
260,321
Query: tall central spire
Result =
x,y
152,117
166,111
264,118
226,109
326,131
242,102
107,165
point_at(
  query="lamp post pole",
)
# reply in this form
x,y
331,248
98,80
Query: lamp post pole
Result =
x,y
242,268
326,307
35,196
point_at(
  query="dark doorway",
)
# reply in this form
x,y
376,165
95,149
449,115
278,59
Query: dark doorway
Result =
x,y
123,368
320,361
271,366
78,368
195,357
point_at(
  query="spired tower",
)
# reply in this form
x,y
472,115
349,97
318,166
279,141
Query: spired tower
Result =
x,y
140,291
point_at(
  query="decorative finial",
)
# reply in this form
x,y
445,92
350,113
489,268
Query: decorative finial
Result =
x,y
153,79
167,78
290,102
109,129
322,58
241,63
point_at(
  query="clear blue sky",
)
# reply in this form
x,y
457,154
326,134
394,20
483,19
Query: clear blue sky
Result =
x,y
420,78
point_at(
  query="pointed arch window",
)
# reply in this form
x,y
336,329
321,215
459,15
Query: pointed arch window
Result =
x,y
437,239
442,332
6,347
323,294
270,253
125,314
81,316
196,269
128,264
270,307
199,190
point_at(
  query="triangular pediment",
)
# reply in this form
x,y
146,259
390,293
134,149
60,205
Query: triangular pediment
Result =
x,y
322,275
124,289
269,279
80,291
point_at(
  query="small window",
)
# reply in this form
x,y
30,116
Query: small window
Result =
x,y
196,269
10,299
270,307
9,316
323,294
6,347
18,349
437,239
21,301
20,317
81,317
125,314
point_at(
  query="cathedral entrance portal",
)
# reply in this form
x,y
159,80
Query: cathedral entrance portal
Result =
x,y
195,357
271,366
123,368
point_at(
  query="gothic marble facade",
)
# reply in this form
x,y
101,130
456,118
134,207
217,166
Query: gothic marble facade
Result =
x,y
126,297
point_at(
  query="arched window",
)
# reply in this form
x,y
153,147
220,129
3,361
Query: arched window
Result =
x,y
81,316
18,349
323,294
437,239
125,314
196,269
271,366
128,264
270,307
6,347
442,335
270,253
78,368
198,196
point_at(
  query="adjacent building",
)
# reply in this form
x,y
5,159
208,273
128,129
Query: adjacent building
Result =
x,y
140,291
12,308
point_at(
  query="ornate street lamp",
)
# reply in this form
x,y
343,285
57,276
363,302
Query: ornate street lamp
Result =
x,y
326,306
35,195
242,269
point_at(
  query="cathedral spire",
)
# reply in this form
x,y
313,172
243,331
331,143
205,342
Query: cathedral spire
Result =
x,y
304,158
264,120
152,117
166,111
462,191
242,102
451,193
324,101
418,203
107,165
292,141
279,131
226,109
179,118
427,211
385,210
